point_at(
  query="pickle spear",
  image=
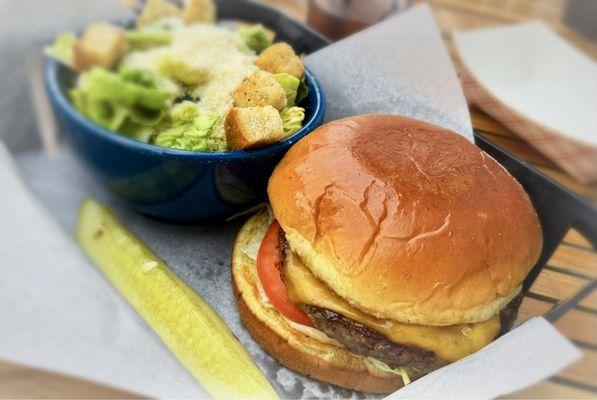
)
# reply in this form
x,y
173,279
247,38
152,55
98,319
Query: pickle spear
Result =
x,y
186,323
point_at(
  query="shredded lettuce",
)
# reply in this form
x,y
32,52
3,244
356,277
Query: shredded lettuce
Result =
x,y
62,49
292,119
290,85
386,368
256,37
264,219
111,99
189,129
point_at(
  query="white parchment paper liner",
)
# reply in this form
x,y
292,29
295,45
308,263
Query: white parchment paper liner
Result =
x,y
60,314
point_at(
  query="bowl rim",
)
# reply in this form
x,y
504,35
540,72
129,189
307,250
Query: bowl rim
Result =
x,y
63,104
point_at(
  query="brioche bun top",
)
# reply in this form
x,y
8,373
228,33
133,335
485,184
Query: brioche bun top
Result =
x,y
406,220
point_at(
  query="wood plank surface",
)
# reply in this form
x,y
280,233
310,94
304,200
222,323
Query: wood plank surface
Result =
x,y
574,238
572,265
577,325
582,261
551,390
560,286
20,382
584,371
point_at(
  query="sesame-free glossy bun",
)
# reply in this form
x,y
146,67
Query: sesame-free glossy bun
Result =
x,y
406,220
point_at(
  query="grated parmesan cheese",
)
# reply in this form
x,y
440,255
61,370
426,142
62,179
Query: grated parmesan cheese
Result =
x,y
219,52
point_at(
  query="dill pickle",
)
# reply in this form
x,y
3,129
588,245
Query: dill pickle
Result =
x,y
190,328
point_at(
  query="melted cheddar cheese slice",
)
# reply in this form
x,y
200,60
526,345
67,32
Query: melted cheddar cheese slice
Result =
x,y
449,343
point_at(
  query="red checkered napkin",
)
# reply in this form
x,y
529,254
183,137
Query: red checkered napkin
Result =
x,y
577,159
537,84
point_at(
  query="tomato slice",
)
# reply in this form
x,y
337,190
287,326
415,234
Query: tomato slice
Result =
x,y
269,265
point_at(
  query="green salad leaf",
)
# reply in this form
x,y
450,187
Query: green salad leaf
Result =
x,y
148,78
216,143
137,131
188,129
147,38
256,37
180,71
62,49
290,84
386,368
111,99
292,119
302,92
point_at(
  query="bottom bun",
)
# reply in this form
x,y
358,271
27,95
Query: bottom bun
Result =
x,y
303,352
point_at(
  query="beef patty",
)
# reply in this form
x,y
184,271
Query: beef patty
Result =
x,y
367,342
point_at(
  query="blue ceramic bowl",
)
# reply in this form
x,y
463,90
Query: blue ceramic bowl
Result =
x,y
169,184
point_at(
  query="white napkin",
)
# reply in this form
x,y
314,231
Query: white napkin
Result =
x,y
532,70
399,66
59,313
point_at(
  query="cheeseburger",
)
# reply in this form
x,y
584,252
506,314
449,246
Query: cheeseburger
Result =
x,y
393,247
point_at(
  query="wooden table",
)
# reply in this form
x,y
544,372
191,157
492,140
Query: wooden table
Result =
x,y
572,265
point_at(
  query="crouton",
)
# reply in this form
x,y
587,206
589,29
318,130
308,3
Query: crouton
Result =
x,y
258,90
251,127
279,58
156,9
100,46
199,11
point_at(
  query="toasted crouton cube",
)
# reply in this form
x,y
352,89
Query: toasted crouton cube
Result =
x,y
279,58
100,46
156,9
251,127
258,90
199,11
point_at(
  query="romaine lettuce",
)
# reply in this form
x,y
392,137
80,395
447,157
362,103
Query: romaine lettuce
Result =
x,y
189,128
110,99
180,71
256,37
62,49
147,38
290,85
302,92
292,119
